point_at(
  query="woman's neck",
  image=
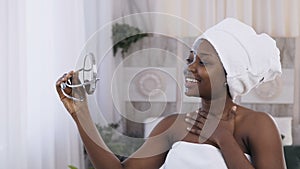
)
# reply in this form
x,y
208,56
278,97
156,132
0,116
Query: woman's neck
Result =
x,y
218,105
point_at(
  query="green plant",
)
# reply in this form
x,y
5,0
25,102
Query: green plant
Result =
x,y
122,146
73,167
123,35
119,144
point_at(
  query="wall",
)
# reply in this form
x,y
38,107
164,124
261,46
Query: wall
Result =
x,y
287,48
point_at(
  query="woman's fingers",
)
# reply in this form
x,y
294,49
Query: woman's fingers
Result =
x,y
197,116
194,130
195,121
233,112
58,86
78,92
60,82
75,78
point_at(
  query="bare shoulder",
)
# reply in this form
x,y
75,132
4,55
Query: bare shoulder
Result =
x,y
260,131
173,127
167,124
262,138
255,122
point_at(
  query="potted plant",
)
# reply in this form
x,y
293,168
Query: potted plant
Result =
x,y
123,35
119,144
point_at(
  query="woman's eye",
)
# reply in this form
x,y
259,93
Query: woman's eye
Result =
x,y
189,60
202,63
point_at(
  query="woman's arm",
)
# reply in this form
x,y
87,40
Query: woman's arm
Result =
x,y
233,154
151,155
98,152
265,143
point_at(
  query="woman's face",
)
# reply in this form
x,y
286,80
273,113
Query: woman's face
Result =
x,y
204,75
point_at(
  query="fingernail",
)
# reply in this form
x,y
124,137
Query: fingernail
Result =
x,y
187,120
188,114
188,128
234,108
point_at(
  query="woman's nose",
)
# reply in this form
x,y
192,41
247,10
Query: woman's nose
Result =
x,y
188,71
191,67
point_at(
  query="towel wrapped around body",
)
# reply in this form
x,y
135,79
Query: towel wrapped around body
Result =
x,y
185,155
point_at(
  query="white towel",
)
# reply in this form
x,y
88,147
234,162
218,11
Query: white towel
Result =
x,y
248,58
185,155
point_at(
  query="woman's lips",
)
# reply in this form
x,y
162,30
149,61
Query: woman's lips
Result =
x,y
188,79
189,82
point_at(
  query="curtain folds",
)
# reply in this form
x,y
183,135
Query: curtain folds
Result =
x,y
13,102
42,39
39,41
279,18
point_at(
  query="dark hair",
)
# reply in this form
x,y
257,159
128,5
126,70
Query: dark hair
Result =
x,y
227,87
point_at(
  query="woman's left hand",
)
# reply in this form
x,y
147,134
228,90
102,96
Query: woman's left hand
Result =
x,y
209,127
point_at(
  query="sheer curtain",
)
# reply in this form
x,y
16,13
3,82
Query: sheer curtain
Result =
x,y
280,18
40,40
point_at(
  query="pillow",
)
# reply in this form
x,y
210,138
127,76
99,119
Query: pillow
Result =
x,y
284,125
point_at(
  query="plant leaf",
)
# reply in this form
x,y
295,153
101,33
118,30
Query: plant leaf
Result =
x,y
72,167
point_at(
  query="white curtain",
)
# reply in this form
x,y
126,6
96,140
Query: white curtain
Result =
x,y
42,39
98,23
39,41
280,18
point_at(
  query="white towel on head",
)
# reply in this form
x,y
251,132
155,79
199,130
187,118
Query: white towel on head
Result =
x,y
248,58
185,155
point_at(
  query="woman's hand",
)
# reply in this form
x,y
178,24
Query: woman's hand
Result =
x,y
209,127
71,105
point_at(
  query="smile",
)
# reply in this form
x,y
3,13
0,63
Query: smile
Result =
x,y
191,80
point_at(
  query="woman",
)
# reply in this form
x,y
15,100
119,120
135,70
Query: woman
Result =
x,y
226,61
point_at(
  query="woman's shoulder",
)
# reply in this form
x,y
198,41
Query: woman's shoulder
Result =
x,y
247,116
166,122
254,123
261,136
171,121
174,126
